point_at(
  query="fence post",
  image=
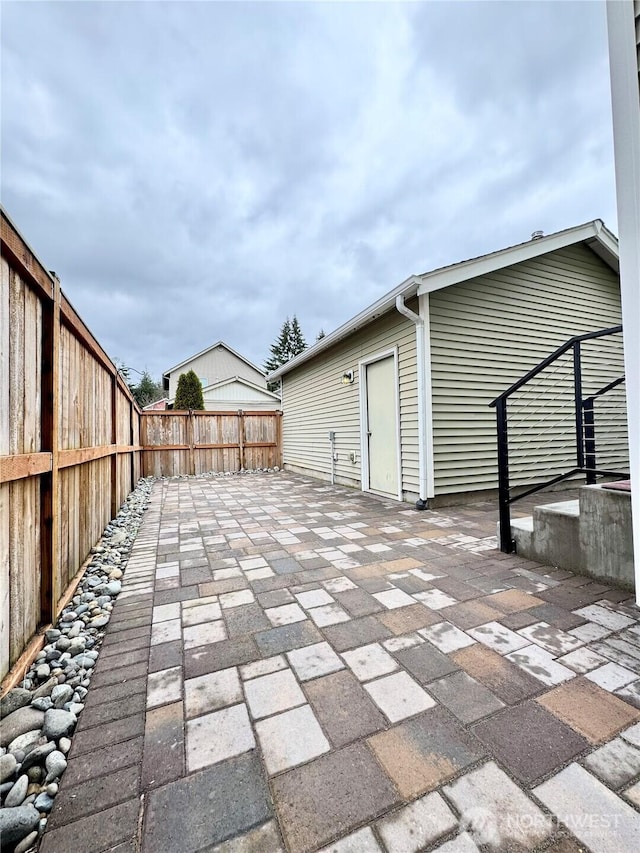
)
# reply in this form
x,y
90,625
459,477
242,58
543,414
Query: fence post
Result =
x,y
50,440
190,442
279,460
590,440
241,437
504,509
114,441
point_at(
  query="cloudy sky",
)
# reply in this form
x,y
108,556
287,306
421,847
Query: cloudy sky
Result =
x,y
200,170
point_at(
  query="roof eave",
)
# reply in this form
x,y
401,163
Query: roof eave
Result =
x,y
594,234
407,288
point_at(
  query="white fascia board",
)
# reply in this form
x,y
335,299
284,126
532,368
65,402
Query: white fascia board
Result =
x,y
466,270
407,288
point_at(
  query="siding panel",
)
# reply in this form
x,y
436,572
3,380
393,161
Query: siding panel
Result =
x,y
489,331
315,402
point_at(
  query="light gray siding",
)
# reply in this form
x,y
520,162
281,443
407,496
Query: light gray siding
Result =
x,y
489,331
215,366
236,395
315,402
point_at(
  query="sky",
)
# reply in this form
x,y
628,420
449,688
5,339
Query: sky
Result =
x,y
196,171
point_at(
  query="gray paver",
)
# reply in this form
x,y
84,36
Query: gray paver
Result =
x,y
233,795
593,813
495,811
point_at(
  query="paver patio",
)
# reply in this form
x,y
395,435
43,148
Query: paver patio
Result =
x,y
298,666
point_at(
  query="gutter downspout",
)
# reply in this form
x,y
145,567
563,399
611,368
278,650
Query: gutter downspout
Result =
x,y
401,307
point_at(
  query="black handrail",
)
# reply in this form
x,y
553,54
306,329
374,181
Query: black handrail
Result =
x,y
576,339
584,432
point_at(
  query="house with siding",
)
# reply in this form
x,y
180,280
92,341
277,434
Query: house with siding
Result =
x,y
396,400
229,380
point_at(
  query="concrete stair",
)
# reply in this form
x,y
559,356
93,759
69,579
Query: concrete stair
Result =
x,y
591,535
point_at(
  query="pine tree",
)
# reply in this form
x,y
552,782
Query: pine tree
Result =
x,y
297,342
188,392
147,391
279,348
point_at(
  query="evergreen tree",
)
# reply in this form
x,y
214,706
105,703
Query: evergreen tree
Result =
x,y
188,392
147,391
289,343
297,342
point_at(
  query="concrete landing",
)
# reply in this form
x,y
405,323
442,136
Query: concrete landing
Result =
x,y
590,535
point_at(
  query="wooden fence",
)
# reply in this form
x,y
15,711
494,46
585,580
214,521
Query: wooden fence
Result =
x,y
69,445
195,442
73,444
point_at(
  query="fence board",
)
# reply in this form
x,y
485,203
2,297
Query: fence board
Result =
x,y
179,443
71,446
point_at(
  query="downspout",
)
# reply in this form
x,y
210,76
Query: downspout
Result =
x,y
401,307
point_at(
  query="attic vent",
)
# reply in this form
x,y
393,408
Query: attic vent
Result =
x,y
537,235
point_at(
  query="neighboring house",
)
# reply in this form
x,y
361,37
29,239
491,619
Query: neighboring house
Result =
x,y
158,406
395,401
238,393
229,380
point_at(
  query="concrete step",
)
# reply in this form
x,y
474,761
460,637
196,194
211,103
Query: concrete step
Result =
x,y
591,535
551,535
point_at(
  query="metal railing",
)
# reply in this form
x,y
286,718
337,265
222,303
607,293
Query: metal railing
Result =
x,y
584,430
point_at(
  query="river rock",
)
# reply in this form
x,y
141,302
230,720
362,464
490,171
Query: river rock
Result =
x,y
43,802
113,587
17,794
43,671
15,699
8,765
38,755
19,722
46,688
58,723
16,823
42,703
64,745
56,764
27,842
99,622
60,694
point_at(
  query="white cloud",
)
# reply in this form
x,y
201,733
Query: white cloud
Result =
x,y
200,170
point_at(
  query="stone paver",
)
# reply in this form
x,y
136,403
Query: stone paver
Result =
x,y
219,735
496,811
416,825
376,663
595,815
529,741
398,696
423,752
350,785
291,738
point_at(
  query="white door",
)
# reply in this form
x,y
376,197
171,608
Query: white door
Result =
x,y
382,426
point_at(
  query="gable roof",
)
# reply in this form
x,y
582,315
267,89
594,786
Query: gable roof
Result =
x,y
208,349
594,234
238,379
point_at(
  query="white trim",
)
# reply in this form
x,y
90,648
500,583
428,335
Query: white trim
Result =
x,y
205,351
418,322
626,141
424,310
591,232
392,352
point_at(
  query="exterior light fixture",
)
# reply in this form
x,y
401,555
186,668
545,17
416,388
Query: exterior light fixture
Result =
x,y
347,377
